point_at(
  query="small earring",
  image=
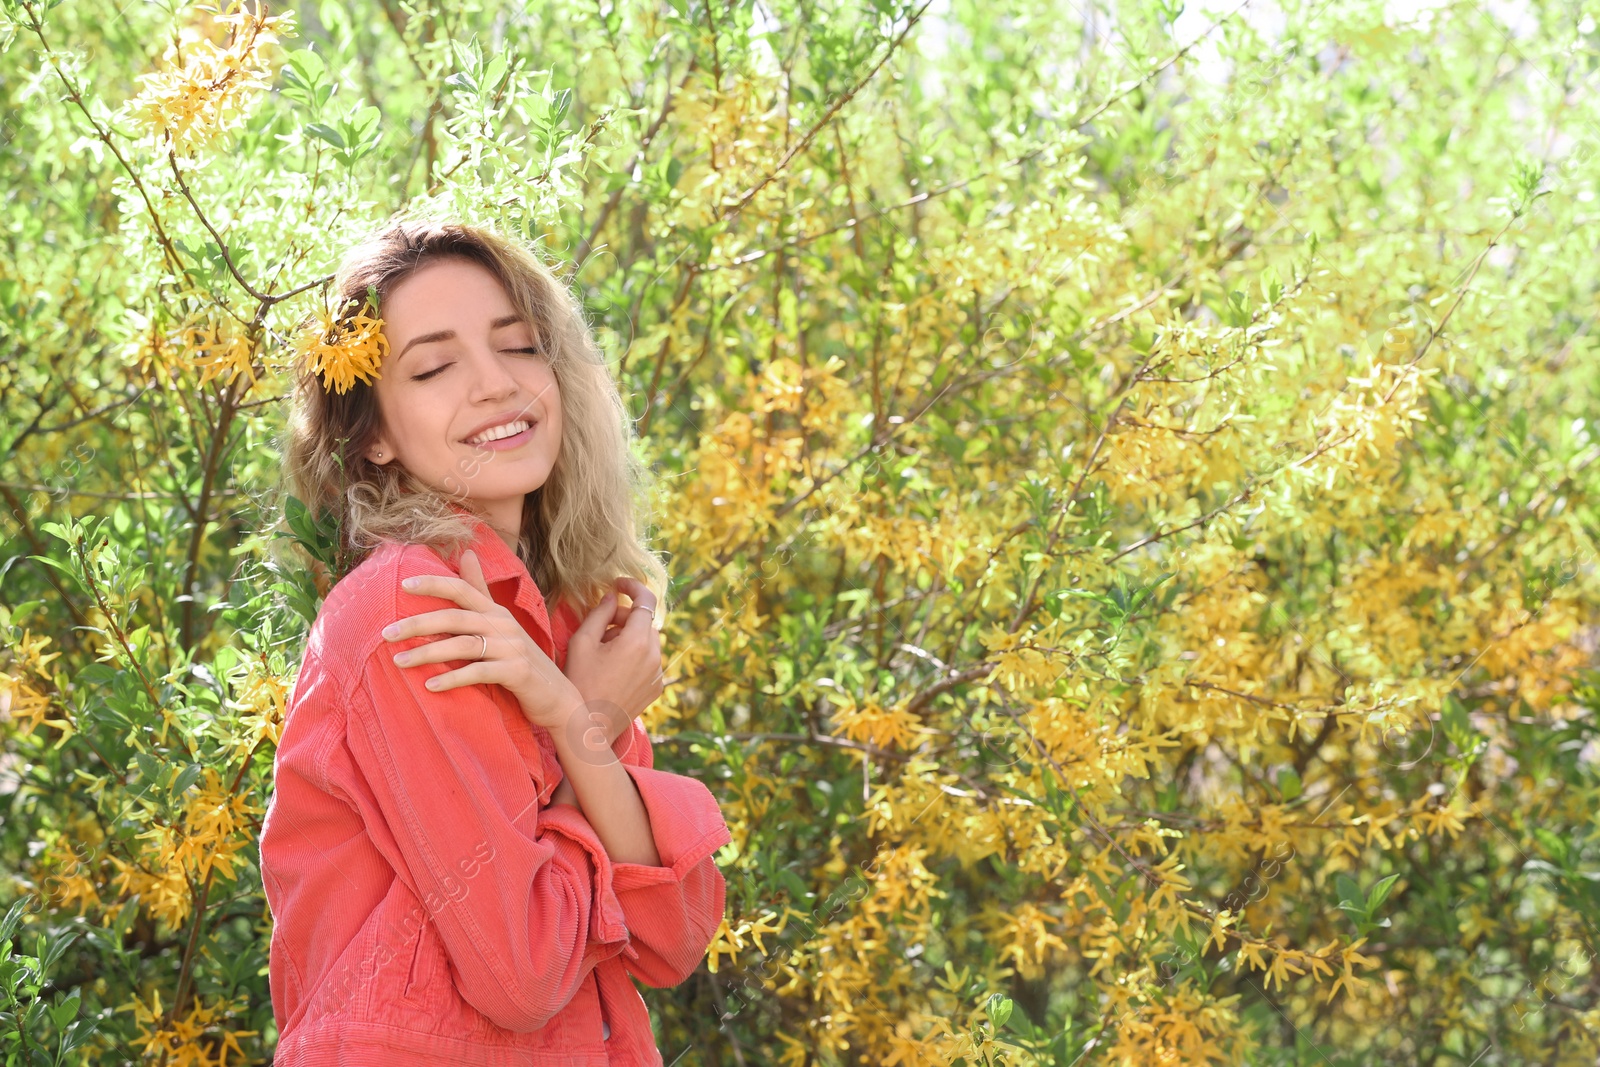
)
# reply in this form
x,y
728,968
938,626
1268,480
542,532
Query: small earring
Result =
x,y
380,453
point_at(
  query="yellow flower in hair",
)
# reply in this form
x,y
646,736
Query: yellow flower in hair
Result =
x,y
341,348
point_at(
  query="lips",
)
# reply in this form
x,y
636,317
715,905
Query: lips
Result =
x,y
477,433
501,431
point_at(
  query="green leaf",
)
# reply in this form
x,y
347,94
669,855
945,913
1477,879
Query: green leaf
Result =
x,y
65,1010
305,80
1379,893
323,132
187,777
1555,845
999,1009
495,72
1271,288
151,770
364,124
305,67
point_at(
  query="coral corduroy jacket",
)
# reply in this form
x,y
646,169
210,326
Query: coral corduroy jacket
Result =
x,y
429,905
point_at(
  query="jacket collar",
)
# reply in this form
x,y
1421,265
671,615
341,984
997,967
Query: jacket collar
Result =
x,y
501,564
496,557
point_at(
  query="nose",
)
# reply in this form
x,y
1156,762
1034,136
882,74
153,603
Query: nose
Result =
x,y
492,379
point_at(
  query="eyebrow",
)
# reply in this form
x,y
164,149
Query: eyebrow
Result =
x,y
445,335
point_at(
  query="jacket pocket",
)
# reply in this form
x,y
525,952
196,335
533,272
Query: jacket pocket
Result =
x,y
419,970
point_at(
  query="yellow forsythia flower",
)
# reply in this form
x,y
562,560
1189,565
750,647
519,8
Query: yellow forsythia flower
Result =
x,y
200,1037
208,92
219,352
340,350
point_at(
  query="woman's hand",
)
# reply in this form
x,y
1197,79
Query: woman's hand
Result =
x,y
614,661
509,657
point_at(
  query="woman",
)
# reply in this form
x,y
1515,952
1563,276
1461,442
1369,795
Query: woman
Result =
x,y
468,851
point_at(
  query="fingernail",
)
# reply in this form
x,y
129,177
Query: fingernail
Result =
x,y
409,583
432,683
402,658
392,630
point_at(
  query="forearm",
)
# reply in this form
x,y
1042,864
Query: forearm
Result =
x,y
603,790
614,726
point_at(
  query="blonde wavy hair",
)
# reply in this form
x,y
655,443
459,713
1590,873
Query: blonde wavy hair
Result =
x,y
580,530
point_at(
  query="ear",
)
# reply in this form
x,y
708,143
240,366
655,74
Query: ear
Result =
x,y
380,451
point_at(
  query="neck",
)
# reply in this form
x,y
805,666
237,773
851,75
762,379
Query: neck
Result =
x,y
508,536
504,518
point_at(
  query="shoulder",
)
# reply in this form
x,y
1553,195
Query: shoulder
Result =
x,y
350,622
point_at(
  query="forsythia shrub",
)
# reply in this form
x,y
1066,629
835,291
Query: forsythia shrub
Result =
x,y
1128,471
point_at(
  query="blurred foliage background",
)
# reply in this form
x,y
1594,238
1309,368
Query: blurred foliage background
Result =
x,y
1128,470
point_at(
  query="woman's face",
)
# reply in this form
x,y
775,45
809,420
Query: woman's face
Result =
x,y
463,369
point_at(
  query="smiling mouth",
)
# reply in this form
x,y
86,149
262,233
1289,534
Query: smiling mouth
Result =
x,y
500,433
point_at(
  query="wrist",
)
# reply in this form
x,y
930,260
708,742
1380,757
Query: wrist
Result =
x,y
598,713
582,742
558,707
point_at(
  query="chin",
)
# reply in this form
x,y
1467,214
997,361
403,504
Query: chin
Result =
x,y
501,488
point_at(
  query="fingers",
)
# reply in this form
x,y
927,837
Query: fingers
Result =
x,y
471,674
617,619
594,624
472,571
609,619
643,604
467,647
637,591
443,621
449,587
641,616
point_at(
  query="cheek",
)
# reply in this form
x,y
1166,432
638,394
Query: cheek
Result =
x,y
383,416
553,413
548,390
418,427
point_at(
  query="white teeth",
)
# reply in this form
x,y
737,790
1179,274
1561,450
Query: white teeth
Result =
x,y
510,429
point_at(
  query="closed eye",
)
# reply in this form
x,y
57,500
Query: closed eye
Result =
x,y
440,369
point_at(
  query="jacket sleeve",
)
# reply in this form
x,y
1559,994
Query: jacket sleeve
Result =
x,y
672,910
520,897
